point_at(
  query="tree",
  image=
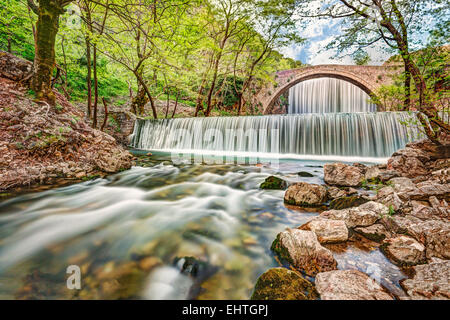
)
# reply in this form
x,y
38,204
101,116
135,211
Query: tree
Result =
x,y
47,25
390,21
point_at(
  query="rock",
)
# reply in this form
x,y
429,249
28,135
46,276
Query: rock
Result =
x,y
372,173
442,176
404,251
303,251
347,202
409,162
335,192
430,281
340,174
389,197
283,284
274,183
14,68
423,211
376,232
305,174
387,175
327,230
305,194
428,189
349,285
433,234
362,216
402,184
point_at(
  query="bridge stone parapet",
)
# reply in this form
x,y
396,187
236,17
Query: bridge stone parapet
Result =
x,y
368,78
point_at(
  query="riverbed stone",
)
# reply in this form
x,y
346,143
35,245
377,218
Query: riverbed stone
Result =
x,y
303,251
305,194
433,234
389,198
335,192
348,202
341,174
349,285
430,281
327,230
274,183
404,250
376,232
409,162
283,284
372,173
362,216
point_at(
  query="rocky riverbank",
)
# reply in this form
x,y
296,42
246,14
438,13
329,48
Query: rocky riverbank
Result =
x,y
40,143
404,211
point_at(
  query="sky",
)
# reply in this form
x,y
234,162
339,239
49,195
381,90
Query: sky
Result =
x,y
319,33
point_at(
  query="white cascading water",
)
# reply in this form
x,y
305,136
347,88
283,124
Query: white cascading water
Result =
x,y
329,119
328,95
341,134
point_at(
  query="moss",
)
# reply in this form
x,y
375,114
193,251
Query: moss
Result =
x,y
283,284
274,183
280,250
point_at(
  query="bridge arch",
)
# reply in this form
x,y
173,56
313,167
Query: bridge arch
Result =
x,y
367,78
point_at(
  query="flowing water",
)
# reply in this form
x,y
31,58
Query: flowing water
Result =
x,y
363,136
195,226
328,95
130,233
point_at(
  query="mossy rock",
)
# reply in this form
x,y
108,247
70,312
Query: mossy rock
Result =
x,y
347,202
280,250
305,174
274,183
283,284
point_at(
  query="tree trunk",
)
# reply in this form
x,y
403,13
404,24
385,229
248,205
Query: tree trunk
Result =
x,y
139,102
44,61
407,102
176,104
94,122
89,77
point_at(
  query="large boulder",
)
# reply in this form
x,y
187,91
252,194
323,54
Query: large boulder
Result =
x,y
409,162
362,216
433,234
327,230
404,250
430,281
303,251
283,284
349,285
305,194
274,183
340,174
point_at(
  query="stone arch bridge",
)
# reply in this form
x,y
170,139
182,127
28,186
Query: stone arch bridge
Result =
x,y
368,78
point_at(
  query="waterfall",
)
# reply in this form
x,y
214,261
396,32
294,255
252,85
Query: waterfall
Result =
x,y
366,135
327,95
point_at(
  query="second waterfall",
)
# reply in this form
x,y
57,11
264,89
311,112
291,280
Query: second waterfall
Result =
x,y
328,119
